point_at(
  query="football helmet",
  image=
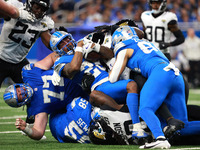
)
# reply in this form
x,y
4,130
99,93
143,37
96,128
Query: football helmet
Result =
x,y
10,95
59,36
102,134
162,7
44,3
123,33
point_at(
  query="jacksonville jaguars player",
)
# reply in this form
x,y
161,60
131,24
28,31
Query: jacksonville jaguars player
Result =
x,y
159,25
7,10
20,33
41,95
163,78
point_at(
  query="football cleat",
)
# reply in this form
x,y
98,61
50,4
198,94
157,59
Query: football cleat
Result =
x,y
160,143
174,125
139,136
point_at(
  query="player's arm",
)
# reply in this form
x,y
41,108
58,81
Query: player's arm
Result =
x,y
8,11
173,27
45,37
47,62
70,69
120,64
37,131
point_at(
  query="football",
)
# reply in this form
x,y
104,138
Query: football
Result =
x,y
93,56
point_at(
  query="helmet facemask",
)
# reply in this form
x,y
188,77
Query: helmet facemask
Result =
x,y
45,4
11,98
60,41
162,7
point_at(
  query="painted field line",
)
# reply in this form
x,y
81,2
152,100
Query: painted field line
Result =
x,y
185,148
7,123
5,132
13,117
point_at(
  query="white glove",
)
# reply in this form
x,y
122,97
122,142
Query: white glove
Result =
x,y
25,15
90,46
55,78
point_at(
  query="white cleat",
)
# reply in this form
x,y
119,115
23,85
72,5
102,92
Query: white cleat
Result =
x,y
160,143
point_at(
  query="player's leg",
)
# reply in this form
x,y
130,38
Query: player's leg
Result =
x,y
4,69
16,69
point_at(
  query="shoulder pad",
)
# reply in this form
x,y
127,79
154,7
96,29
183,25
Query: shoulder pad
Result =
x,y
48,22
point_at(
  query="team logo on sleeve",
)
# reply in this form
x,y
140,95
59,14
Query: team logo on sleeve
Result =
x,y
43,24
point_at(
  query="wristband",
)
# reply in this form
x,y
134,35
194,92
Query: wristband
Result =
x,y
28,130
79,49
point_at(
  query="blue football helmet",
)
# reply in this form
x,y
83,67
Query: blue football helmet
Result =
x,y
59,36
123,33
162,7
10,95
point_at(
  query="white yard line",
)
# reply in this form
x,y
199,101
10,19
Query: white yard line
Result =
x,y
13,117
7,123
4,132
186,148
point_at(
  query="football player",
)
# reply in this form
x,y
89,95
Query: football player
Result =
x,y
75,67
20,33
41,95
163,75
80,120
159,25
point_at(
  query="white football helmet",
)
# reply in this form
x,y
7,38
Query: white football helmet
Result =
x,y
162,7
59,36
10,95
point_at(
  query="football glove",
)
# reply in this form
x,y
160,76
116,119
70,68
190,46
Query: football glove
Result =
x,y
163,45
90,46
56,77
25,15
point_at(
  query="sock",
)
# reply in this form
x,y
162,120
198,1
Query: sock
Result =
x,y
132,103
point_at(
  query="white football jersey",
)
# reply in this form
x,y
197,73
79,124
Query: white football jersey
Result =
x,y
17,36
119,121
156,29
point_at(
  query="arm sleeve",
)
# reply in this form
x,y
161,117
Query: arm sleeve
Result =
x,y
115,73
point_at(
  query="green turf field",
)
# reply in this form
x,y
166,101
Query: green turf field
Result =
x,y
12,139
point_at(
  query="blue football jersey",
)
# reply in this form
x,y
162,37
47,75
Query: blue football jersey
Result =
x,y
145,56
47,97
72,126
95,69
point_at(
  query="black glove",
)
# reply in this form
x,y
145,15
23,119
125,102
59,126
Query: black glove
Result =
x,y
87,81
163,45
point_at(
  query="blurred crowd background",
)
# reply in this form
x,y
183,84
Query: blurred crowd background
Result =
x,y
109,11
81,16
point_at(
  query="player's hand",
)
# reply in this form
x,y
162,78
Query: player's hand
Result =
x,y
90,46
55,78
20,124
163,45
25,15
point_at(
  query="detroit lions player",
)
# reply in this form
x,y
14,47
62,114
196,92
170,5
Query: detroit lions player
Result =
x,y
75,67
163,78
41,95
19,34
81,121
159,25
